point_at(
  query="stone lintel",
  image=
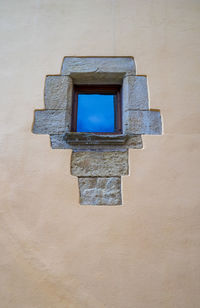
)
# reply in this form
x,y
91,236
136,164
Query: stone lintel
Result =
x,y
58,92
100,190
49,122
97,78
100,164
97,64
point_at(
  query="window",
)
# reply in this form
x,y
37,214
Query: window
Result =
x,y
97,109
91,119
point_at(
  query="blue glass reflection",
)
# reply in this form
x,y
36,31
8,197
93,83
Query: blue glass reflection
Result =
x,y
95,113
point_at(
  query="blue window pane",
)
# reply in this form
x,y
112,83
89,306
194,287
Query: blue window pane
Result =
x,y
95,113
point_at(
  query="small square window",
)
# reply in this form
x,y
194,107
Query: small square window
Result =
x,y
97,109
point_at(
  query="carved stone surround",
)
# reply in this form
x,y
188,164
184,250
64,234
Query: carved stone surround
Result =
x,y
98,161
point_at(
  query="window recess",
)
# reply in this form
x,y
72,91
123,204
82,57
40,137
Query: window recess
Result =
x,y
97,109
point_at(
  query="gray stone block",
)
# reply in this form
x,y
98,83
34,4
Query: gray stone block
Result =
x,y
92,164
97,78
134,142
49,122
134,96
58,92
78,138
135,93
59,142
100,190
143,122
97,65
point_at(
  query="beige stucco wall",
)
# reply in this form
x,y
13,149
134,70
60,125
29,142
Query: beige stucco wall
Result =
x,y
54,252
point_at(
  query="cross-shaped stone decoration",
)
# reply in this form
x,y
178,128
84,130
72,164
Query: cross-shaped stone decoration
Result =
x,y
98,161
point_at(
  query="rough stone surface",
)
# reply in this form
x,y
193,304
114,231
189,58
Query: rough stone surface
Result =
x,y
135,93
58,92
99,163
97,65
49,122
134,142
58,142
97,78
139,94
144,122
100,190
76,138
134,96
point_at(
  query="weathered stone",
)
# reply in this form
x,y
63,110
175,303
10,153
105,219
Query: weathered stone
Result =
x,y
139,94
144,122
59,142
97,78
75,138
135,93
134,142
100,190
49,122
90,163
97,65
58,92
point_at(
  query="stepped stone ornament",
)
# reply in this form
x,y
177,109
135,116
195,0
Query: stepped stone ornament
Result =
x,y
98,160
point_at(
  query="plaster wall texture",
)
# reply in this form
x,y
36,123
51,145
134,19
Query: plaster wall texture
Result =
x,y
55,252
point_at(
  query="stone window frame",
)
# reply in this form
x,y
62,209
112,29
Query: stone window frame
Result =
x,y
137,119
98,161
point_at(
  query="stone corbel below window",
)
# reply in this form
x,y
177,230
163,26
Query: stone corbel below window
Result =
x,y
98,160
